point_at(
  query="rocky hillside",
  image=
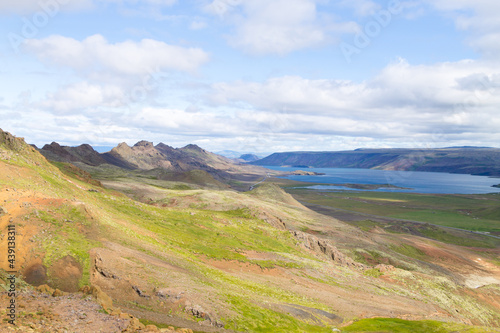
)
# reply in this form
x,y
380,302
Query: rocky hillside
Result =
x,y
467,160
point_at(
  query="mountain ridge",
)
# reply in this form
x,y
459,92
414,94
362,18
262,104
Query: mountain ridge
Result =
x,y
470,160
159,160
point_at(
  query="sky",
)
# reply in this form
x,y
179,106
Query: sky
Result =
x,y
256,76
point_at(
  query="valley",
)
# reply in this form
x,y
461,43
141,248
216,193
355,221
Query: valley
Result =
x,y
157,246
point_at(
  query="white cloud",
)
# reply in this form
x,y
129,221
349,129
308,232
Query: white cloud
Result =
x,y
275,27
110,75
400,102
207,123
361,7
278,27
53,6
96,54
222,7
481,18
83,95
149,2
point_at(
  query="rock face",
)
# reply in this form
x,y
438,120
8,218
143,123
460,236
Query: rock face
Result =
x,y
11,142
199,312
324,246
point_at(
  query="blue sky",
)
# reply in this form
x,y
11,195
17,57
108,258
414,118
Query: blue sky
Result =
x,y
252,75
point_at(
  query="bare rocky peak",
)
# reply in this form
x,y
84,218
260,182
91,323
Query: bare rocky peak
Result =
x,y
161,145
122,145
86,147
144,144
52,146
194,147
122,148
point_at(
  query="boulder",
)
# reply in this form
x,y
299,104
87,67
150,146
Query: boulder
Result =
x,y
152,328
45,289
136,325
57,293
102,298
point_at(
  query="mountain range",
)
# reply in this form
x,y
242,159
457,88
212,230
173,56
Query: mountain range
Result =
x,y
161,160
465,160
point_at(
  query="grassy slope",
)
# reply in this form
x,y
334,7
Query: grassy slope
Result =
x,y
404,326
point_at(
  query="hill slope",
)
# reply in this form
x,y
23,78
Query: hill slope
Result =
x,y
476,161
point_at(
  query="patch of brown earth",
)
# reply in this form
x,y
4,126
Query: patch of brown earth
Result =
x,y
65,274
17,204
234,266
35,273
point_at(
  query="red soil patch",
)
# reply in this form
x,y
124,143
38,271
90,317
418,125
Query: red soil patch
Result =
x,y
234,266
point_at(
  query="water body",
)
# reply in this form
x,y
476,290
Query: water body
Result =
x,y
409,181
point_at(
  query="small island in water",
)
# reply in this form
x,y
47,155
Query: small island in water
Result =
x,y
306,173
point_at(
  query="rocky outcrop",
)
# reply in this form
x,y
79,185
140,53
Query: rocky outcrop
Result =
x,y
275,221
199,312
102,298
325,246
385,268
11,142
99,267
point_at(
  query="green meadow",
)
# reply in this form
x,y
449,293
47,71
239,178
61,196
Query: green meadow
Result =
x,y
469,212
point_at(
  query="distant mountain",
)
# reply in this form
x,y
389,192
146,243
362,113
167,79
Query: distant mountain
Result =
x,y
464,160
229,153
249,157
143,155
83,153
238,155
